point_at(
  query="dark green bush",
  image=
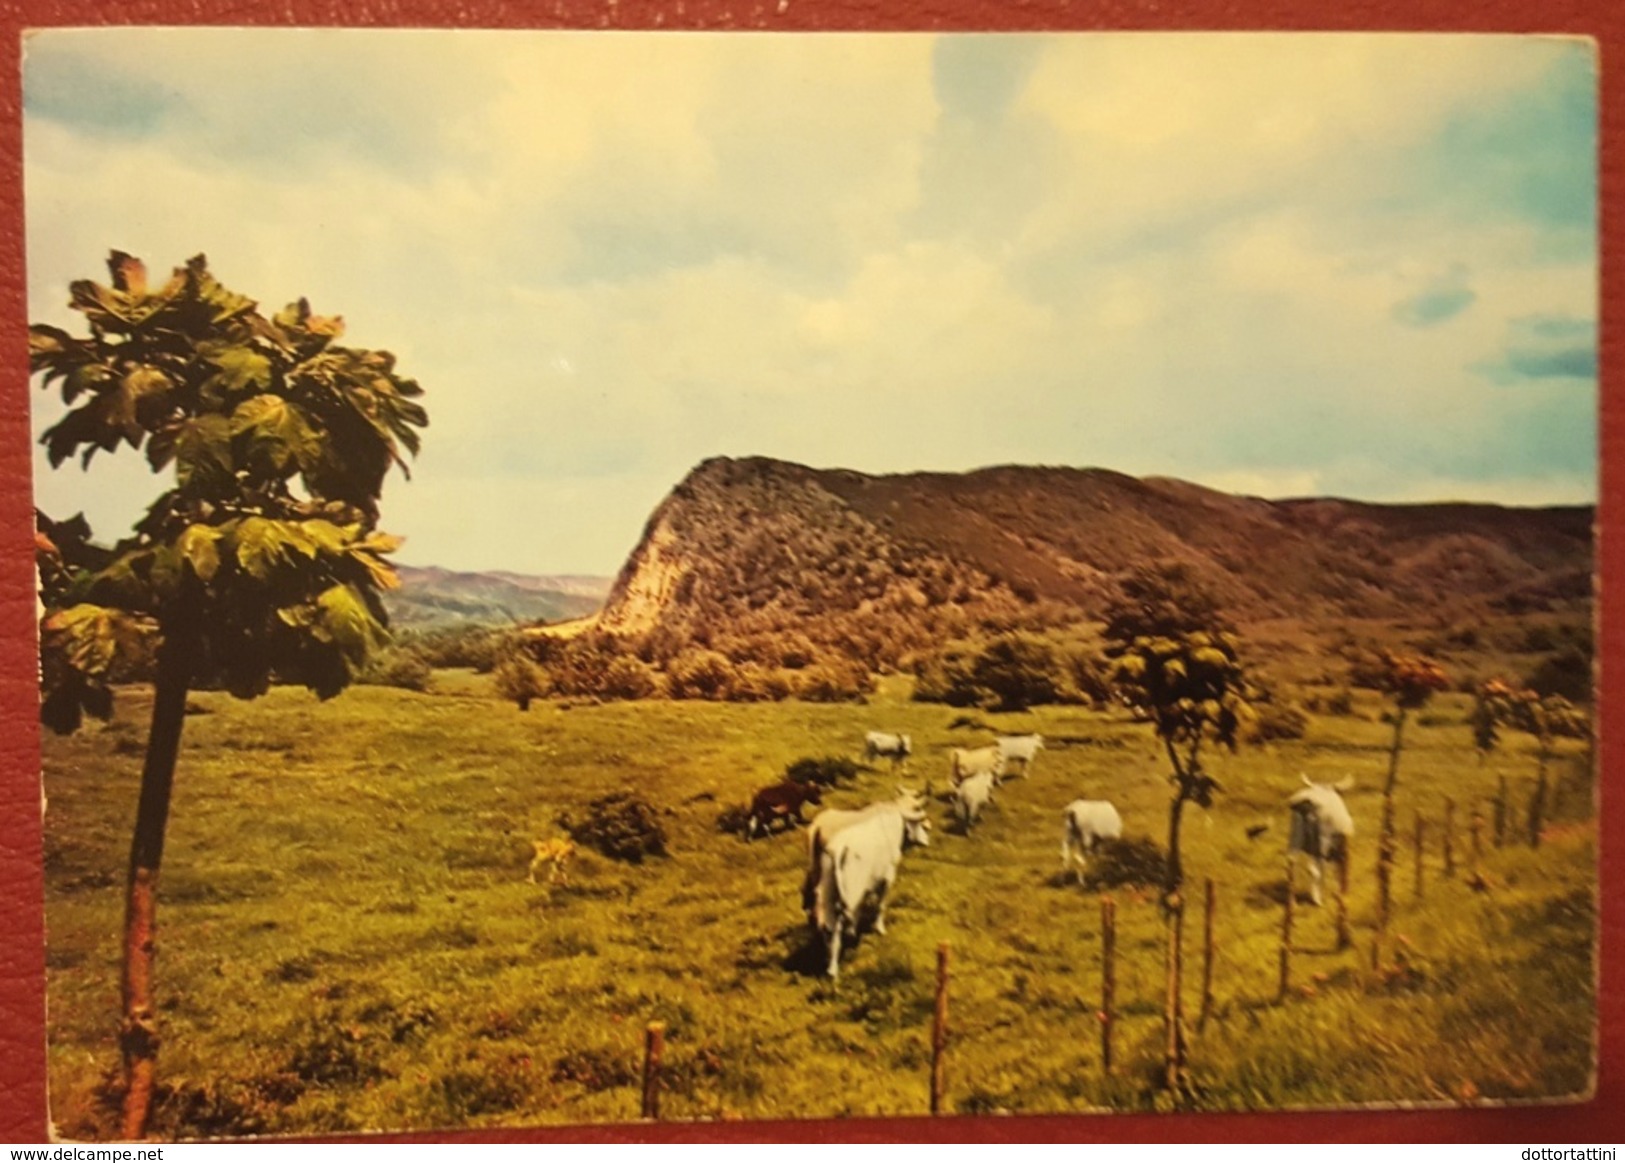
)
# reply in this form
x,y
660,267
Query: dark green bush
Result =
x,y
1279,721
621,825
825,771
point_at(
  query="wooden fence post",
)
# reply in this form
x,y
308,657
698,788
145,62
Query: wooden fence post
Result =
x,y
1417,847
1449,837
1286,933
1209,907
1173,1015
1537,809
654,1041
1108,979
939,1032
1345,936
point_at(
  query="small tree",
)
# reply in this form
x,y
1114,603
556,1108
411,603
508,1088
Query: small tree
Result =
x,y
1175,661
261,562
1410,681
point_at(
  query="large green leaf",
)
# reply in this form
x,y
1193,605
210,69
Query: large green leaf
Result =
x,y
278,432
199,546
350,624
260,546
241,369
94,638
203,454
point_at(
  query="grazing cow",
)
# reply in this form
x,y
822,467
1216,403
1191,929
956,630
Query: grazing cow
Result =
x,y
781,801
857,869
1087,823
832,820
1321,827
885,745
964,762
555,855
970,797
1019,748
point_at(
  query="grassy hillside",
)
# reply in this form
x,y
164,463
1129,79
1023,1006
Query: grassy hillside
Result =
x,y
347,940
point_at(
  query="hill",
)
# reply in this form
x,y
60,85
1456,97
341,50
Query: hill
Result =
x,y
754,557
432,597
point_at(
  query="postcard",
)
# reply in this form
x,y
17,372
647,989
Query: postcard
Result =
x,y
589,577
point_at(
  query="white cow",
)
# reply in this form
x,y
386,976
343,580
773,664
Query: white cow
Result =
x,y
1321,827
964,762
886,745
1019,748
970,797
857,869
1086,823
832,820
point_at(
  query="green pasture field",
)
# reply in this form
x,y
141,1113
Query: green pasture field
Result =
x,y
347,940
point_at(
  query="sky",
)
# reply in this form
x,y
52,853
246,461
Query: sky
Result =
x,y
1358,265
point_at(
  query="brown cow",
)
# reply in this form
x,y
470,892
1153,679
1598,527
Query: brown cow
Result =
x,y
781,801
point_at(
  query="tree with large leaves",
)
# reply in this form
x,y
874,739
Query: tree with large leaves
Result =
x,y
261,562
1174,659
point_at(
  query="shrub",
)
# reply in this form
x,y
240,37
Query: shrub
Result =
x,y
1340,702
628,678
1278,721
825,771
621,825
406,669
835,680
1131,860
1011,673
700,674
519,680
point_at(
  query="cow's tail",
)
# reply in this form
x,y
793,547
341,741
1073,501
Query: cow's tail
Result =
x,y
809,883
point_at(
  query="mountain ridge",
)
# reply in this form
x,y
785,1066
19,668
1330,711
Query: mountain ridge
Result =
x,y
874,565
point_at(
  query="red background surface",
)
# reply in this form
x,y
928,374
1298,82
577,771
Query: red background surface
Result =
x,y
22,969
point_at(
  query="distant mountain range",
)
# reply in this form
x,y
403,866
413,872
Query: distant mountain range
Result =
x,y
432,597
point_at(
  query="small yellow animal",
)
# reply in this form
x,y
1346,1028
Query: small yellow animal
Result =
x,y
556,855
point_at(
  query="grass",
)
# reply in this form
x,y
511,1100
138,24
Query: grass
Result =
x,y
347,941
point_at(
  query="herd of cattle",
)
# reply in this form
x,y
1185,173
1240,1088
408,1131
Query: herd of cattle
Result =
x,y
853,855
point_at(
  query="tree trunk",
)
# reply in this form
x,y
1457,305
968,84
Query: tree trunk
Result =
x,y
1175,877
139,1034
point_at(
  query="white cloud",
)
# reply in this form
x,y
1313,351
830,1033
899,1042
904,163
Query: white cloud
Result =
x,y
608,256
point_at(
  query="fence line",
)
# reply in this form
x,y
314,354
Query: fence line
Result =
x,y
1176,1048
